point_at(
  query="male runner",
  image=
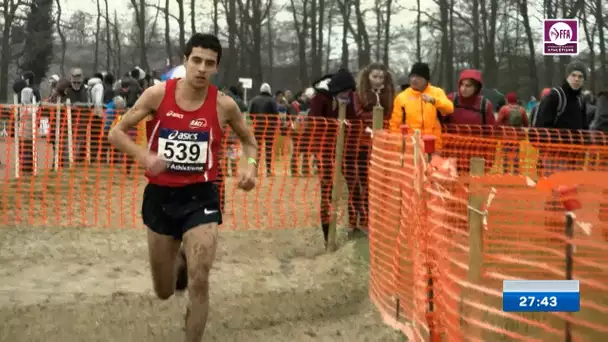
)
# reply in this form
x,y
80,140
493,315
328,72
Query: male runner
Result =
x,y
181,201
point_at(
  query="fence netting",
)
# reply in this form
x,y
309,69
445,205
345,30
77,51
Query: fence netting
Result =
x,y
491,205
445,230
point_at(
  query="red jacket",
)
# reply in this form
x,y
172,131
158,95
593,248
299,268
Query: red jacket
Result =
x,y
467,110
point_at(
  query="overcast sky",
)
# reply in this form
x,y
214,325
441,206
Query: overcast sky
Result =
x,y
404,18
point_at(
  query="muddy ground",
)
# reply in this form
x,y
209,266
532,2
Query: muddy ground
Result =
x,y
69,285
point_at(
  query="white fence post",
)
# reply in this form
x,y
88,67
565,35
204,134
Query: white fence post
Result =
x,y
58,146
70,133
34,115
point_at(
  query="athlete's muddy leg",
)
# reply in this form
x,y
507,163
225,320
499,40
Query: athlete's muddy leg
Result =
x,y
163,251
200,244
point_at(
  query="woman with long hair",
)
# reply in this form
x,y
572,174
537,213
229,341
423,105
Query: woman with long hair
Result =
x,y
375,87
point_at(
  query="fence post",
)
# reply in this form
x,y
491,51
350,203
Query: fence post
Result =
x,y
378,118
34,116
475,218
68,109
570,202
336,189
16,132
57,136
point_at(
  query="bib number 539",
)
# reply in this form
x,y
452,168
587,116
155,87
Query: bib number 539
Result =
x,y
181,151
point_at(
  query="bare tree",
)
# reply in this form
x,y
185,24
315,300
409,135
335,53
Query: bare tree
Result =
x,y
108,37
64,44
193,16
97,32
9,8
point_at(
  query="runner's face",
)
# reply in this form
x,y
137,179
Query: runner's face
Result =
x,y
576,79
200,66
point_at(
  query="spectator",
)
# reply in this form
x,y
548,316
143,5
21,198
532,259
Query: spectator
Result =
x,y
375,88
264,114
303,100
534,111
419,105
294,105
96,92
329,91
564,107
130,90
76,92
26,82
53,80
108,88
512,114
237,96
470,106
531,104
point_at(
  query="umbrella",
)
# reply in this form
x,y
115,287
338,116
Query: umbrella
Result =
x,y
177,72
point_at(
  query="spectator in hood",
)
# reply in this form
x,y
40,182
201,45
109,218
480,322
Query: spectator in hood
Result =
x,y
512,114
264,114
420,105
330,92
375,88
470,106
564,107
96,119
53,80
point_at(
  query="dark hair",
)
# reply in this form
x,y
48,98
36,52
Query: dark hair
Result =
x,y
29,77
108,79
279,92
135,73
98,75
298,94
204,41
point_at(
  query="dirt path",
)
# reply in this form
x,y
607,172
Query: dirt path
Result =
x,y
70,285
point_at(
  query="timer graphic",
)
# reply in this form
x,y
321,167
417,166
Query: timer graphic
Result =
x,y
541,296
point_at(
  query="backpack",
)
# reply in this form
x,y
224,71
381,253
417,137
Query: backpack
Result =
x,y
516,117
562,102
481,110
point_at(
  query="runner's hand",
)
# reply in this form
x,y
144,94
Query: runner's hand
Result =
x,y
247,179
154,164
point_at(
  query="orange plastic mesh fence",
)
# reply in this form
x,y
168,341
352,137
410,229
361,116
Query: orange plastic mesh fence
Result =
x,y
73,177
438,221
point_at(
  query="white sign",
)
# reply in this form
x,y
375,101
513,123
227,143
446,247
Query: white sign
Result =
x,y
246,82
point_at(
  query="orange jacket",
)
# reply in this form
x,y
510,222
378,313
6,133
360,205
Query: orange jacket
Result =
x,y
419,114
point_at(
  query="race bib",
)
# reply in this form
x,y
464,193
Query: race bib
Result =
x,y
183,151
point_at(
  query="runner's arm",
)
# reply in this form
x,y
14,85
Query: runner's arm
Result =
x,y
237,122
145,106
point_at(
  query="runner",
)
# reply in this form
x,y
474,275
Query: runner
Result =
x,y
181,202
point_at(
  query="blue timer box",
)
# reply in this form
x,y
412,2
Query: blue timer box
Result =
x,y
541,296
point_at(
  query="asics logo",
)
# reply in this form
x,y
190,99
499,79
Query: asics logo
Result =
x,y
173,114
177,135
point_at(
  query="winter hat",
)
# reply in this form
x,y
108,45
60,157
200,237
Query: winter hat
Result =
x,y
341,81
422,70
265,88
545,92
511,98
576,65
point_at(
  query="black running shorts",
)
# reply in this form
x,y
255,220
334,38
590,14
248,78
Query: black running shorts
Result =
x,y
175,210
